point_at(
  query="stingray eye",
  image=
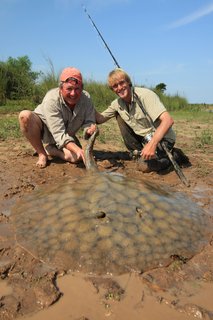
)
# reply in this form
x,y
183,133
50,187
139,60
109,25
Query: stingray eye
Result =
x,y
140,212
100,214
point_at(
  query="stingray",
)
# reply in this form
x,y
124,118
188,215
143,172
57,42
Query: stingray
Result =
x,y
106,223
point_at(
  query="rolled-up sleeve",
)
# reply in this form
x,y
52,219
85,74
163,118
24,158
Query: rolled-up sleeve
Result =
x,y
110,112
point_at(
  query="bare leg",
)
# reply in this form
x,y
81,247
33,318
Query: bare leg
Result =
x,y
63,154
31,127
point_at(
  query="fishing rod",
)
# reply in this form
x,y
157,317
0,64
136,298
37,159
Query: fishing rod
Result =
x,y
100,35
151,122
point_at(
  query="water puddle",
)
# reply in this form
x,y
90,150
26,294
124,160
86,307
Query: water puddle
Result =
x,y
5,289
203,197
82,301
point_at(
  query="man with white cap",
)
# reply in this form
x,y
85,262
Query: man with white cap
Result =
x,y
54,123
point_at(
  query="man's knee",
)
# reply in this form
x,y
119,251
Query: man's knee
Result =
x,y
24,116
24,119
28,119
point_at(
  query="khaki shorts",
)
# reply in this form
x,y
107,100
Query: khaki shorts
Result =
x,y
47,137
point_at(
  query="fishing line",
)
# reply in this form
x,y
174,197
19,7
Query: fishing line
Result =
x,y
100,35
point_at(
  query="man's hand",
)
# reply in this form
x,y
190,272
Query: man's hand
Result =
x,y
91,129
80,154
76,153
149,151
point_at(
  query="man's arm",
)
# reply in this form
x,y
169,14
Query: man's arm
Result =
x,y
100,118
166,122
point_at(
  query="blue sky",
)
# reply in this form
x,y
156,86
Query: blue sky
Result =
x,y
169,41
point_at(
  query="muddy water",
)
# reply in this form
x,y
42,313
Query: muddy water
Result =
x,y
82,301
5,289
202,197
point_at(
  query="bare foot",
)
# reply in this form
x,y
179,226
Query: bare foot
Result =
x,y
42,161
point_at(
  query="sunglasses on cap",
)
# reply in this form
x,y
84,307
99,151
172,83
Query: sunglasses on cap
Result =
x,y
71,79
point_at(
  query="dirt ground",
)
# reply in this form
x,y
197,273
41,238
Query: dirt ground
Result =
x,y
33,290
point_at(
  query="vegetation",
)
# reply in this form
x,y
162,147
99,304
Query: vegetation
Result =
x,y
17,80
205,138
173,103
100,94
9,127
22,87
161,87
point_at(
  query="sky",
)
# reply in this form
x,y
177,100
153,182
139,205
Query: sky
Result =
x,y
154,41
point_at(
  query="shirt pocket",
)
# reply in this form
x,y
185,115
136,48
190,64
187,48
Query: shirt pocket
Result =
x,y
142,121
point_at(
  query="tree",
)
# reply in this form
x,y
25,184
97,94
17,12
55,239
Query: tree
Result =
x,y
19,79
161,87
3,83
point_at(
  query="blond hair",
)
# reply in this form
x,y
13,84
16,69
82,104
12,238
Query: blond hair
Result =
x,y
117,73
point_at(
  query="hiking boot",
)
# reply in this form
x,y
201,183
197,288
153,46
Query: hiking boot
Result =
x,y
134,154
156,165
181,158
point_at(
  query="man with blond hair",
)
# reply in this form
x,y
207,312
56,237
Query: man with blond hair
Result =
x,y
136,129
52,126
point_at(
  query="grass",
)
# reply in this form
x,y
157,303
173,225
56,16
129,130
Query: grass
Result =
x,y
109,133
13,106
9,127
198,116
195,127
204,138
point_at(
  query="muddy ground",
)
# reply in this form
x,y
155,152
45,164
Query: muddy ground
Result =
x,y
28,286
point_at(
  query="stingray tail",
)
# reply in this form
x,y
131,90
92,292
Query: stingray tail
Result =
x,y
90,161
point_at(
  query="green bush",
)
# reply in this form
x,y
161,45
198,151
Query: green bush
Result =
x,y
172,103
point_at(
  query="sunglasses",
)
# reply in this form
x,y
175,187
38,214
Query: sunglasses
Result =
x,y
71,79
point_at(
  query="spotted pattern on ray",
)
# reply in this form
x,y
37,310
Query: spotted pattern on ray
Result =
x,y
108,223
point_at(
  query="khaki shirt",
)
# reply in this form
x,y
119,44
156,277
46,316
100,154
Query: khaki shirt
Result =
x,y
60,122
134,117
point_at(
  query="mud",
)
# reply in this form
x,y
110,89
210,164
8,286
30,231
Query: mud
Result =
x,y
33,290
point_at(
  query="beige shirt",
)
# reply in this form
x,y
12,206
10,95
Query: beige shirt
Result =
x,y
134,117
60,122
